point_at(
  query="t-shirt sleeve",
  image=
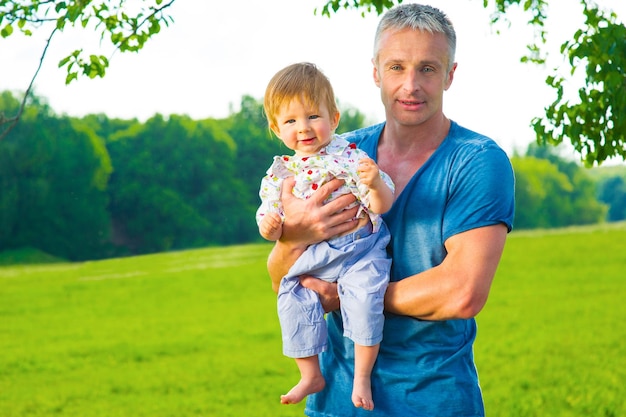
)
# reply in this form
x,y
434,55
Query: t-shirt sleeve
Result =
x,y
482,191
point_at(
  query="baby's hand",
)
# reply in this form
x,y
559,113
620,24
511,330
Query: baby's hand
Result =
x,y
369,173
271,227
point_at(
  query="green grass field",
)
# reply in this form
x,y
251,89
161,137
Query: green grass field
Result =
x,y
195,333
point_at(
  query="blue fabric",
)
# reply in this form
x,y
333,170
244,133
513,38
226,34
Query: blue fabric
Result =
x,y
360,265
424,368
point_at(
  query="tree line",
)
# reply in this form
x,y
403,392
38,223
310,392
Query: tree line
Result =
x,y
96,187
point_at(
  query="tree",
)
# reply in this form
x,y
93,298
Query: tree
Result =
x,y
175,185
545,197
351,119
612,191
53,177
595,123
255,148
552,191
127,26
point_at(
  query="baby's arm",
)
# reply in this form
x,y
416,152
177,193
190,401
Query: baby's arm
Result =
x,y
271,226
381,196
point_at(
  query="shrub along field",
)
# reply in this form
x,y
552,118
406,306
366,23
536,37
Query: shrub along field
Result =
x,y
195,333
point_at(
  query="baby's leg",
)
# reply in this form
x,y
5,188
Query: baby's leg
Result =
x,y
364,358
311,380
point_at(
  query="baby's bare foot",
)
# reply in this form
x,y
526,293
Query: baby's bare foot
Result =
x,y
302,389
362,393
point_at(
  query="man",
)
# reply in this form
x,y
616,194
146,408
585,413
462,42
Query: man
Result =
x,y
452,211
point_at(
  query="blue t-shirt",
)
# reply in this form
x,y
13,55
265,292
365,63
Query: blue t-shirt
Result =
x,y
424,368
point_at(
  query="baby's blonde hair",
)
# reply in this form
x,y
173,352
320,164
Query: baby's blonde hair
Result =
x,y
302,81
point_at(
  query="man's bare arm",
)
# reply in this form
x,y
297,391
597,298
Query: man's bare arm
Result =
x,y
306,222
456,289
459,286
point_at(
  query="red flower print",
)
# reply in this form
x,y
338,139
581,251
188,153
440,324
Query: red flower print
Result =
x,y
314,186
352,146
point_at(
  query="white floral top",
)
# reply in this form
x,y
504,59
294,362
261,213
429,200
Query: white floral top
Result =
x,y
339,159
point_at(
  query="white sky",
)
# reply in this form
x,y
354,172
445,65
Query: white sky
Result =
x,y
218,51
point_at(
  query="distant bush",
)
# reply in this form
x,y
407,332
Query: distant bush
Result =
x,y
27,256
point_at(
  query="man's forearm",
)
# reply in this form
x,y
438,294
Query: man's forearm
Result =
x,y
458,288
281,258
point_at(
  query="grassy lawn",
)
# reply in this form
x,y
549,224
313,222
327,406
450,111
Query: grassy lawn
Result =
x,y
551,338
195,333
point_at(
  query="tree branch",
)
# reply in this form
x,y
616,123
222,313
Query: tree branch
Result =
x,y
12,121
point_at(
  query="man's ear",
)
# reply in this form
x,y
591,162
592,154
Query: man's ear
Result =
x,y
375,74
450,77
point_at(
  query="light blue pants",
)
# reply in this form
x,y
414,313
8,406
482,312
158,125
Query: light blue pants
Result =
x,y
360,265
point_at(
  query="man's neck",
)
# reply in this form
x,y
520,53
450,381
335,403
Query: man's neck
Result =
x,y
403,150
402,139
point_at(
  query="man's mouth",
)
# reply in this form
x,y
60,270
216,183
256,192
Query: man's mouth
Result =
x,y
410,102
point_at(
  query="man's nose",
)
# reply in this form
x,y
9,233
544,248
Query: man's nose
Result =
x,y
411,81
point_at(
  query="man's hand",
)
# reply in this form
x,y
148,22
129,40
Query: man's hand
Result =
x,y
327,291
307,222
311,221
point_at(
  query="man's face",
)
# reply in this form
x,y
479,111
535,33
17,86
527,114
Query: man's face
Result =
x,y
411,70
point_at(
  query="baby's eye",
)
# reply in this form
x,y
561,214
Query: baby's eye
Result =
x,y
314,116
289,121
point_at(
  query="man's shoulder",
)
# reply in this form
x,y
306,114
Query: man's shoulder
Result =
x,y
463,139
364,134
463,133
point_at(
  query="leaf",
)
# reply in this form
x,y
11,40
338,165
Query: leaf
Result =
x,y
6,31
71,77
64,61
60,6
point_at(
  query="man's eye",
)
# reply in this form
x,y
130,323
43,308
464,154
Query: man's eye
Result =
x,y
428,69
395,67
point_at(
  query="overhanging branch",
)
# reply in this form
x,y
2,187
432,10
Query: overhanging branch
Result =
x,y
12,121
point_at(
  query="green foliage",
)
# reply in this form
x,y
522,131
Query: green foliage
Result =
x,y
553,192
166,184
195,333
596,124
174,186
53,192
351,119
379,6
256,147
128,28
612,191
27,256
540,192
